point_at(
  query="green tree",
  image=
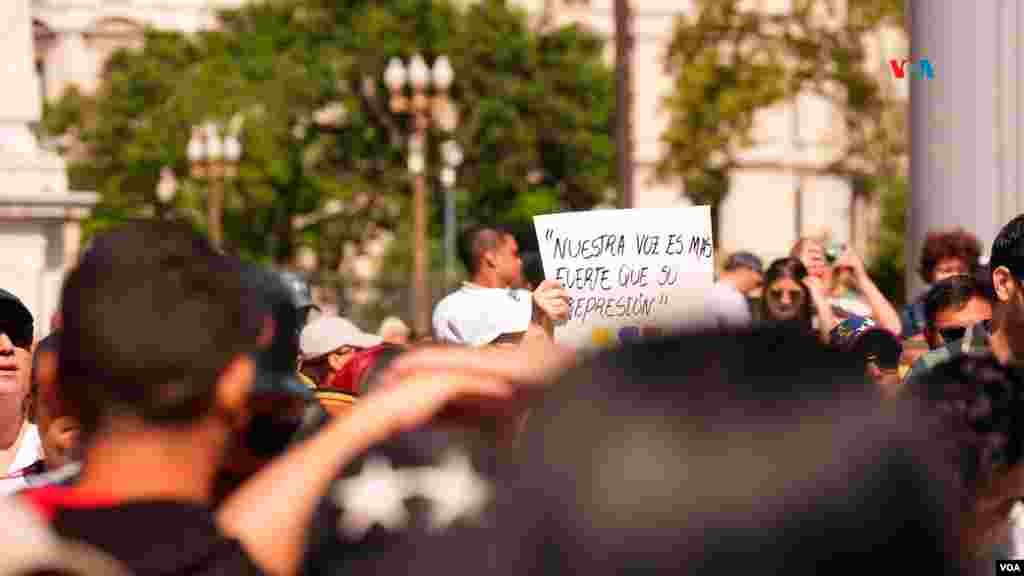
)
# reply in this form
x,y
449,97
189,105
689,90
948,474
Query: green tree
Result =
x,y
888,267
324,161
730,62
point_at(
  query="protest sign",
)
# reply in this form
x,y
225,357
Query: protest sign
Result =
x,y
629,273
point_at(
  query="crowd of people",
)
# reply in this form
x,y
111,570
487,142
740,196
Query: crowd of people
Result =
x,y
190,413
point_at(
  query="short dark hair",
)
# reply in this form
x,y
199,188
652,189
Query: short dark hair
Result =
x,y
153,314
940,245
478,240
951,293
979,401
1008,247
746,260
533,268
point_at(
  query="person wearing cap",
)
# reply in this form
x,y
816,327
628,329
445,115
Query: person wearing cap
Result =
x,y
394,331
328,344
20,444
490,308
728,302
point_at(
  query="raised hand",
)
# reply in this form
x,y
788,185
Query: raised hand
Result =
x,y
552,300
812,255
850,259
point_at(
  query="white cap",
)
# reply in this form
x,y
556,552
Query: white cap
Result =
x,y
328,333
477,316
393,325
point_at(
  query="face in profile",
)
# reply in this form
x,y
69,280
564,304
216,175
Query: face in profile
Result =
x,y
58,432
784,299
750,282
509,263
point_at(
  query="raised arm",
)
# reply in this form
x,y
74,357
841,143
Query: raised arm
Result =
x,y
271,512
882,310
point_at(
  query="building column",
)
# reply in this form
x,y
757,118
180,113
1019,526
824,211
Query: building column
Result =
x,y
965,159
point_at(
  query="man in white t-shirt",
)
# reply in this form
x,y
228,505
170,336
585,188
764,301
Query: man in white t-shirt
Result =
x,y
727,304
20,445
491,308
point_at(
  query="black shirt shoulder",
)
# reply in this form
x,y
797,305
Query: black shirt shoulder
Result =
x,y
158,538
421,497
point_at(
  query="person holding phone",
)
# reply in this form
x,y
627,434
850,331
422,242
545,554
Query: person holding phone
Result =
x,y
843,273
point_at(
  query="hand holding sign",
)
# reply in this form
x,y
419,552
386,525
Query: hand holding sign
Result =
x,y
552,300
627,271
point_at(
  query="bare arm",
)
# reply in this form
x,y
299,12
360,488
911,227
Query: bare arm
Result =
x,y
826,320
271,512
882,310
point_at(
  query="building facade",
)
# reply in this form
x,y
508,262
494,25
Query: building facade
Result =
x,y
73,38
782,191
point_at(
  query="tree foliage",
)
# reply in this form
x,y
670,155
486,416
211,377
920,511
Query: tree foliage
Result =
x,y
888,269
324,162
729,62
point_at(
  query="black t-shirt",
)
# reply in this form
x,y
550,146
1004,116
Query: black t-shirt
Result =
x,y
392,507
151,538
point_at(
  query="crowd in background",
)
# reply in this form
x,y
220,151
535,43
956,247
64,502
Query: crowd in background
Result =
x,y
194,414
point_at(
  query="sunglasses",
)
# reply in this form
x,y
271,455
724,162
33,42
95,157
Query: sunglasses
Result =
x,y
794,295
20,335
953,333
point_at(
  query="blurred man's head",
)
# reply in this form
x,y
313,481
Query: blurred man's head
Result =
x,y
1007,265
58,425
951,306
158,333
491,256
948,253
774,451
16,335
744,271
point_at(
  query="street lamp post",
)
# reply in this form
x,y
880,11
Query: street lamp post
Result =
x,y
215,159
451,154
426,111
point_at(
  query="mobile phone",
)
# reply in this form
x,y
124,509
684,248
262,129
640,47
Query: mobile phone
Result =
x,y
834,251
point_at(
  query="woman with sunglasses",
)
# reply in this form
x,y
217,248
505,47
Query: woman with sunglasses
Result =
x,y
791,296
20,445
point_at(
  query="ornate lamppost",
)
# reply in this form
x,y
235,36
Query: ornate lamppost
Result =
x,y
426,110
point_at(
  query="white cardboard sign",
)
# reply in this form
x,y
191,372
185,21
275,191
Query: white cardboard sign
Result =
x,y
629,273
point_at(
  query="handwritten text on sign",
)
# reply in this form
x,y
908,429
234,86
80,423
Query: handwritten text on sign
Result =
x,y
627,271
